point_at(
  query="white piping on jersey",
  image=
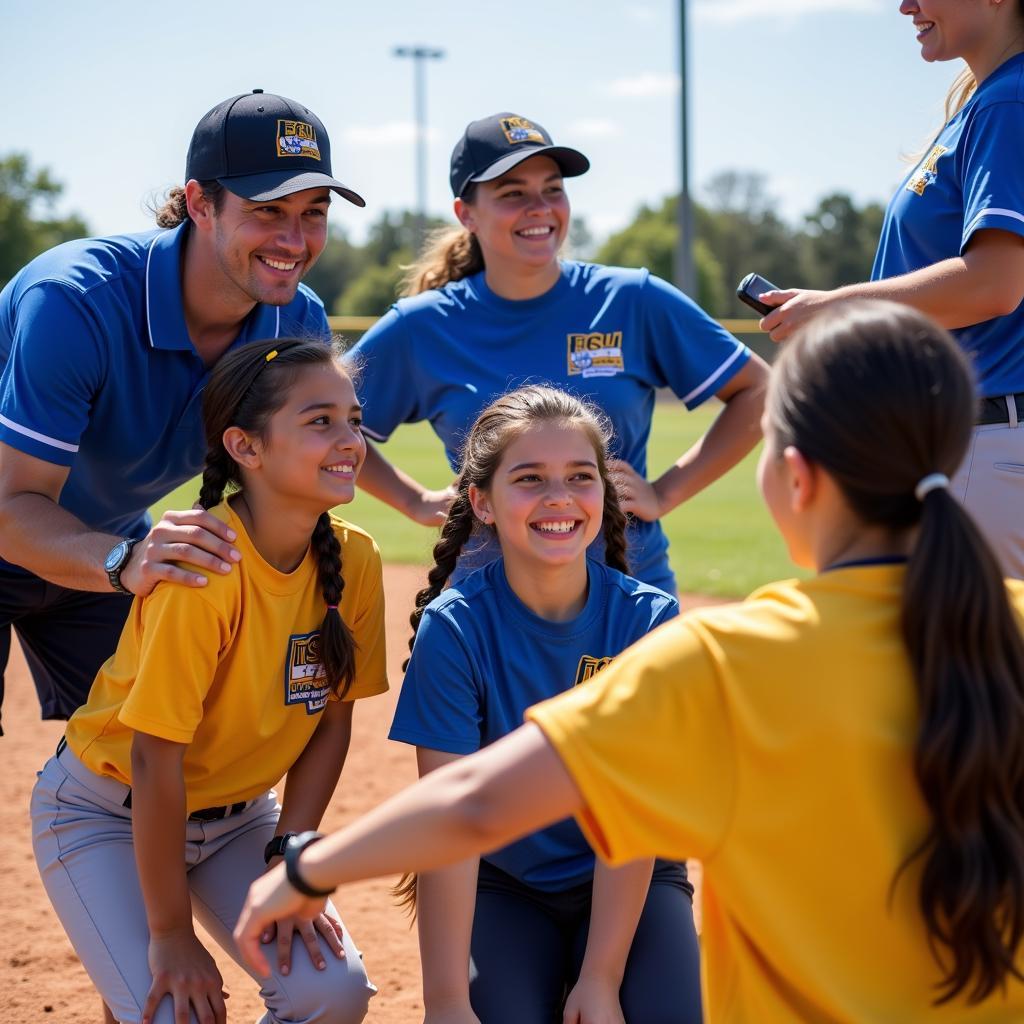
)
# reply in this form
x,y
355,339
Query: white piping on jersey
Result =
x,y
994,212
149,257
372,434
277,325
740,349
36,436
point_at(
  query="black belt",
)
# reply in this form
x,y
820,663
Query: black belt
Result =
x,y
994,410
204,814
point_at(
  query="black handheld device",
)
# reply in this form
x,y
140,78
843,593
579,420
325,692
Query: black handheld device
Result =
x,y
750,290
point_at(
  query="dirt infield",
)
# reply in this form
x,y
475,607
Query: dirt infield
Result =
x,y
41,980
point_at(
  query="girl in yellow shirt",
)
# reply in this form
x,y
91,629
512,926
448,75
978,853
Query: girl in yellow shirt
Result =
x,y
845,753
158,803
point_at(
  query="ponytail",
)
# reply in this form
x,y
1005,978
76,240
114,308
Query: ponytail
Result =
x,y
450,254
881,398
174,209
968,659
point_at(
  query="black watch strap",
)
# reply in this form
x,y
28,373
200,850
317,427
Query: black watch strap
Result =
x,y
276,846
292,852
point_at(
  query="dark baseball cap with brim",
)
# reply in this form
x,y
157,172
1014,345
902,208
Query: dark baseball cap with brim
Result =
x,y
263,147
494,145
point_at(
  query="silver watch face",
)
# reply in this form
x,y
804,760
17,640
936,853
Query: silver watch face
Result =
x,y
115,560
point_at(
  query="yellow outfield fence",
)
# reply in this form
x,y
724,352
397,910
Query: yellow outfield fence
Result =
x,y
364,323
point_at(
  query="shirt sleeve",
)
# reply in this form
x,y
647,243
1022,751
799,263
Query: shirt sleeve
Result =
x,y
649,745
57,364
440,704
182,639
385,376
993,171
371,676
688,351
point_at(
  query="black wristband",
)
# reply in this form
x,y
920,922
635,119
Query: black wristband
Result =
x,y
276,846
292,852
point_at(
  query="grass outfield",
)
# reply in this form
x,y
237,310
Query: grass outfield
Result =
x,y
723,541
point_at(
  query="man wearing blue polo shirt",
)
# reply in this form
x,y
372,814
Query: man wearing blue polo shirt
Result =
x,y
105,347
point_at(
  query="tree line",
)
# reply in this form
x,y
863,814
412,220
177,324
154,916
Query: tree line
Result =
x,y
737,230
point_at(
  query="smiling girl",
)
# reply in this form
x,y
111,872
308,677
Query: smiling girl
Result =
x,y
594,944
158,806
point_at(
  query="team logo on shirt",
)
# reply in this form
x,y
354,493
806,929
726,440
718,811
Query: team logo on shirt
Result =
x,y
518,129
595,354
304,679
926,172
588,667
296,138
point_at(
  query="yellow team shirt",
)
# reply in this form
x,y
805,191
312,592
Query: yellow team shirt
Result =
x,y
773,740
232,669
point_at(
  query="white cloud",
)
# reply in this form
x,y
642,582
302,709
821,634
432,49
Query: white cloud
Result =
x,y
593,128
729,11
650,83
386,135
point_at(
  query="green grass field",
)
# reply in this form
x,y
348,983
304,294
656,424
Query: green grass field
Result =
x,y
723,541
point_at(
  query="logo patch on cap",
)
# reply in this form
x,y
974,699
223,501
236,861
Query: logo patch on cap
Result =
x,y
518,129
296,138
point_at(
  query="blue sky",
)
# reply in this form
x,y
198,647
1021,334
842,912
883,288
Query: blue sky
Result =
x,y
819,95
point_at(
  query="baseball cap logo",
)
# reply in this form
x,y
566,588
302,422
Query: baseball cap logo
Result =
x,y
296,138
518,129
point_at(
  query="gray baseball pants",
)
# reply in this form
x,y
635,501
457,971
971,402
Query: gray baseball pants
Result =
x,y
82,837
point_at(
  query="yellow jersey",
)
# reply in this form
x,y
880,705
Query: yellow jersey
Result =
x,y
773,739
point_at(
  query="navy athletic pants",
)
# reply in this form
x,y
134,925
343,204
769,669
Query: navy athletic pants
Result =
x,y
528,946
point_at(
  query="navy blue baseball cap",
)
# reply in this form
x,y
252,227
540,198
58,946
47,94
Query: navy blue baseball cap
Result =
x,y
262,147
493,145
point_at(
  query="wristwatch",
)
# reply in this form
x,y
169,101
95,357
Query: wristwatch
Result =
x,y
276,846
292,852
115,562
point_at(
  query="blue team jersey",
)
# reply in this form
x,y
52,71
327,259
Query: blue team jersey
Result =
x,y
609,334
481,658
99,373
971,178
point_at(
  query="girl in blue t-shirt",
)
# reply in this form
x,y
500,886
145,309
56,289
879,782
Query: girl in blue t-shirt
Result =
x,y
534,928
491,306
952,246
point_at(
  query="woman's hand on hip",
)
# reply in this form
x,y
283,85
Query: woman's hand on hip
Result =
x,y
636,495
183,969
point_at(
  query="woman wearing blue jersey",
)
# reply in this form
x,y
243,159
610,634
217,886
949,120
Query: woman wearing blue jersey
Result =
x,y
952,246
491,307
533,930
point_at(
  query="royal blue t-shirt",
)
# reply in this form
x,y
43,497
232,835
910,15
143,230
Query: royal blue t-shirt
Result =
x,y
610,334
481,658
971,178
99,373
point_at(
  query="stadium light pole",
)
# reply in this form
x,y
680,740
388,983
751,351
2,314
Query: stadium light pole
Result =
x,y
419,55
685,274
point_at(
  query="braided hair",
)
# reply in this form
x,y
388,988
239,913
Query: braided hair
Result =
x,y
246,388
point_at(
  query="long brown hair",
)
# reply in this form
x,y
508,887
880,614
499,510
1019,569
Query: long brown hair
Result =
x,y
504,420
880,397
245,390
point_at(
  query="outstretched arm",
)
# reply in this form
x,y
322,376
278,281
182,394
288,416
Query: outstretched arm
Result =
x,y
477,803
